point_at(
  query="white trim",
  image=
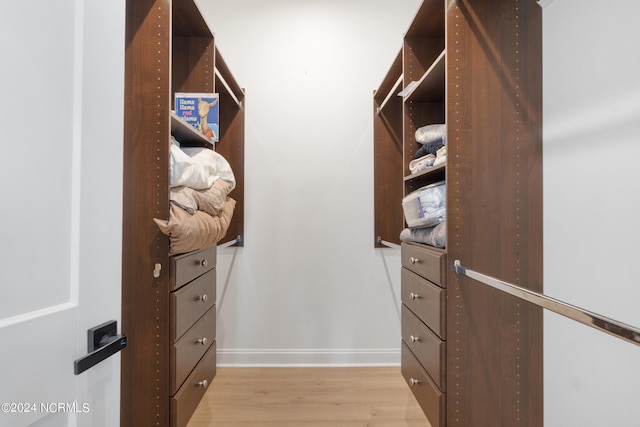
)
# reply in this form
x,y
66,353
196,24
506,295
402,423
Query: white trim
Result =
x,y
544,3
308,357
32,315
76,152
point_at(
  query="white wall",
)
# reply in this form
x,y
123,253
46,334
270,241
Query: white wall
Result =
x,y
591,203
308,287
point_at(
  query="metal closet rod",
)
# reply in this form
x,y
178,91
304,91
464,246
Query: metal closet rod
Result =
x,y
612,327
388,244
237,240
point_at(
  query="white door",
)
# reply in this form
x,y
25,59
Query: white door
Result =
x,y
61,110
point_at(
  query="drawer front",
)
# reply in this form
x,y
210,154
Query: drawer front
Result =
x,y
429,397
426,347
428,262
185,401
188,266
190,302
426,300
186,352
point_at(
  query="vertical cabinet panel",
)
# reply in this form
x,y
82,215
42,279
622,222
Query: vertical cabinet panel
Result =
x,y
193,64
494,185
232,123
146,183
387,161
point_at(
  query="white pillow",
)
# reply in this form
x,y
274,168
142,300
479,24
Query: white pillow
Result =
x,y
183,170
216,165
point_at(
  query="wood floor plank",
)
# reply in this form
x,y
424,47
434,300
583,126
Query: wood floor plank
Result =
x,y
283,397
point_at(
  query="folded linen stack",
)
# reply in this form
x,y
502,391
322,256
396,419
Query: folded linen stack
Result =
x,y
432,140
435,236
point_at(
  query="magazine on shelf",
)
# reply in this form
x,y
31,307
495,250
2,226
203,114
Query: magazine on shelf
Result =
x,y
200,110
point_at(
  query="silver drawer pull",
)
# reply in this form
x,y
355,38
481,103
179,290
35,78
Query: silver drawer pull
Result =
x,y
413,260
203,341
203,298
414,296
414,339
414,381
203,383
203,263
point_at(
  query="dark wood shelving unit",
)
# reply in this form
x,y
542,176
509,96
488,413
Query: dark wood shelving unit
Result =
x,y
169,48
474,357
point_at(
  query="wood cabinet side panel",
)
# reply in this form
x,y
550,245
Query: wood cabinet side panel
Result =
x,y
193,64
145,361
387,178
231,146
494,210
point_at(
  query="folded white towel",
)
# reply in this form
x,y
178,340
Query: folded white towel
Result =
x,y
422,163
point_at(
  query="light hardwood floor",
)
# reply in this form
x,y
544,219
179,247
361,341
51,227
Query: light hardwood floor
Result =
x,y
287,397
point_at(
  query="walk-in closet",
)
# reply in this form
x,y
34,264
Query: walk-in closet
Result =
x,y
320,213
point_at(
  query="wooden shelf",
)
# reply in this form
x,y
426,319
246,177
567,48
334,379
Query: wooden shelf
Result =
x,y
431,172
428,176
186,134
431,87
227,80
393,92
391,85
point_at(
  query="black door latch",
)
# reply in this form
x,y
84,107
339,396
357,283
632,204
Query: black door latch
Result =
x,y
103,341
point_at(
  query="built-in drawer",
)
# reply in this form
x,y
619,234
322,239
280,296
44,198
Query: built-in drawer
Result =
x,y
429,397
185,401
188,266
186,352
428,348
426,261
426,300
190,302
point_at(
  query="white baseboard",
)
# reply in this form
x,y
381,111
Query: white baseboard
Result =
x,y
308,357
